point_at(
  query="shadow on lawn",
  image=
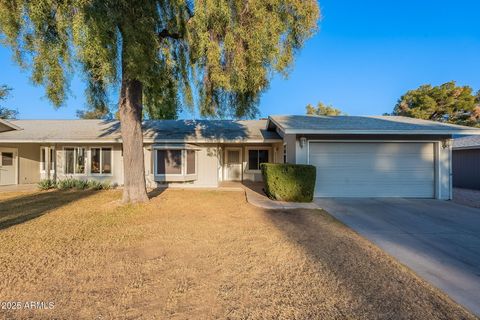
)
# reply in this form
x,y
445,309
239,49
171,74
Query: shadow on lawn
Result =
x,y
23,208
377,285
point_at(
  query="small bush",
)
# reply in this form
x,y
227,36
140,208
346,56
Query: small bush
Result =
x,y
289,182
77,184
46,184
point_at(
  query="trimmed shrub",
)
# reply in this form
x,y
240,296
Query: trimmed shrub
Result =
x,y
289,182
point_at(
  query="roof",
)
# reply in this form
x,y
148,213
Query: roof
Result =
x,y
103,131
296,124
7,126
469,142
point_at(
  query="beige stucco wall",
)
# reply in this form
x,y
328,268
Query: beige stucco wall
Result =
x,y
207,168
209,163
117,163
28,161
275,155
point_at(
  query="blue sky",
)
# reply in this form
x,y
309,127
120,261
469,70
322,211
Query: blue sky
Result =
x,y
365,55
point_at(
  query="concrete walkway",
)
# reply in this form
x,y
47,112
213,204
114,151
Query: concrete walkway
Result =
x,y
439,240
19,188
256,196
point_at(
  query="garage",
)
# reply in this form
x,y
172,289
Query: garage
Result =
x,y
373,169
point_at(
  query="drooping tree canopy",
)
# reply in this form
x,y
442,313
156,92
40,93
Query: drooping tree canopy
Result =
x,y
217,55
323,110
446,103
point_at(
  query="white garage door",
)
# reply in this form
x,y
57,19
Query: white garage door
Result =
x,y
373,169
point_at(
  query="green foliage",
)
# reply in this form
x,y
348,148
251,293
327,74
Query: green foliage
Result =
x,y
6,113
323,110
46,184
71,183
446,103
289,182
212,54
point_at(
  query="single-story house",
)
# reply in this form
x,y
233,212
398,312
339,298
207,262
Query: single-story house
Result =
x,y
466,162
355,156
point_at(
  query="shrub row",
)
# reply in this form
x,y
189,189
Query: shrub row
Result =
x,y
289,182
73,184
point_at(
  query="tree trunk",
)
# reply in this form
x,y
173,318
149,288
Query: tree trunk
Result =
x,y
130,110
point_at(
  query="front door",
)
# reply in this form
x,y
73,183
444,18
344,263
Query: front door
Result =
x,y
233,164
7,166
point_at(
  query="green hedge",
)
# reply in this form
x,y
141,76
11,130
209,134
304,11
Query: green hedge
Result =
x,y
289,182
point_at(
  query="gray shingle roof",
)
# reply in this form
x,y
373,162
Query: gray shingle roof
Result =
x,y
364,125
154,130
469,142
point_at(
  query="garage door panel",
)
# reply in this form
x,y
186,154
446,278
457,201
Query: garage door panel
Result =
x,y
373,169
374,163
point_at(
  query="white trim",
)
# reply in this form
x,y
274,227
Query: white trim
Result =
x,y
437,149
74,154
101,174
247,149
384,132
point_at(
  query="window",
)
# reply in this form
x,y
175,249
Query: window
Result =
x,y
175,162
169,161
43,158
52,159
74,161
284,153
256,157
191,169
7,158
101,160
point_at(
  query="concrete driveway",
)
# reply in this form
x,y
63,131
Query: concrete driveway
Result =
x,y
439,240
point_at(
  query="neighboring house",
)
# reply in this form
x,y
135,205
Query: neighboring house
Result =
x,y
355,156
466,162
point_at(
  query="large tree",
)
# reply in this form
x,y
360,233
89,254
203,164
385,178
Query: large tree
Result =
x,y
5,112
446,103
217,55
323,110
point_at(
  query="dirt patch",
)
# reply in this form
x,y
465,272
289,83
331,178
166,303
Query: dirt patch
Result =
x,y
199,254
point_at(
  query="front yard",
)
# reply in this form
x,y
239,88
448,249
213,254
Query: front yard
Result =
x,y
197,254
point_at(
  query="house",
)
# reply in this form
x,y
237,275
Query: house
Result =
x,y
355,156
466,162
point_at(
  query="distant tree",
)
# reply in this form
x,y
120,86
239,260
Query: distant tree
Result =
x,y
323,110
6,113
445,103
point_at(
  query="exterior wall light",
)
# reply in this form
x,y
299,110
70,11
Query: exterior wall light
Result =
x,y
303,142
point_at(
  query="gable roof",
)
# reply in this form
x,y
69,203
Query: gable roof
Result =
x,y
469,142
7,126
104,131
302,124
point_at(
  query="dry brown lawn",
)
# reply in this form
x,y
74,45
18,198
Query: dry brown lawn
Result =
x,y
197,255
